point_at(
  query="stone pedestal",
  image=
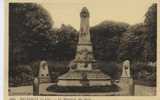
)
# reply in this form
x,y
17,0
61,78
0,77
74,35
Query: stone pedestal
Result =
x,y
36,86
81,78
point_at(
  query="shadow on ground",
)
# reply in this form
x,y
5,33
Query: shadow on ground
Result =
x,y
111,88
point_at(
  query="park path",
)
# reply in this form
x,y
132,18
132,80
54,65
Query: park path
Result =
x,y
140,90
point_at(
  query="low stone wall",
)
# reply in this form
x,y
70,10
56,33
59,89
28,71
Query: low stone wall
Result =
x,y
80,83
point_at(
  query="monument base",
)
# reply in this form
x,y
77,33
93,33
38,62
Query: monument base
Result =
x,y
84,78
44,79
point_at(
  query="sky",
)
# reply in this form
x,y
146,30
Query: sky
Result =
x,y
67,11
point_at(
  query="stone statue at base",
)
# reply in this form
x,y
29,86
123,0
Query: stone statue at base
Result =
x,y
43,74
126,82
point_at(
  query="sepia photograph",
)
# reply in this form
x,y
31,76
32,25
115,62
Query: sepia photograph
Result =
x,y
82,48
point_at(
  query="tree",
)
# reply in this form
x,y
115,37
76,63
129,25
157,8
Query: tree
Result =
x,y
132,43
29,36
30,26
151,24
139,42
66,42
106,39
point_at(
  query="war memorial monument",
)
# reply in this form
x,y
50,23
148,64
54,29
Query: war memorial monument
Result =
x,y
84,71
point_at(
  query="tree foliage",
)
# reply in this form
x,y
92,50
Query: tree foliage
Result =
x,y
66,42
30,27
29,38
132,43
139,42
151,24
106,39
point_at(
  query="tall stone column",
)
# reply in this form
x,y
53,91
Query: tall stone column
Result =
x,y
84,54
